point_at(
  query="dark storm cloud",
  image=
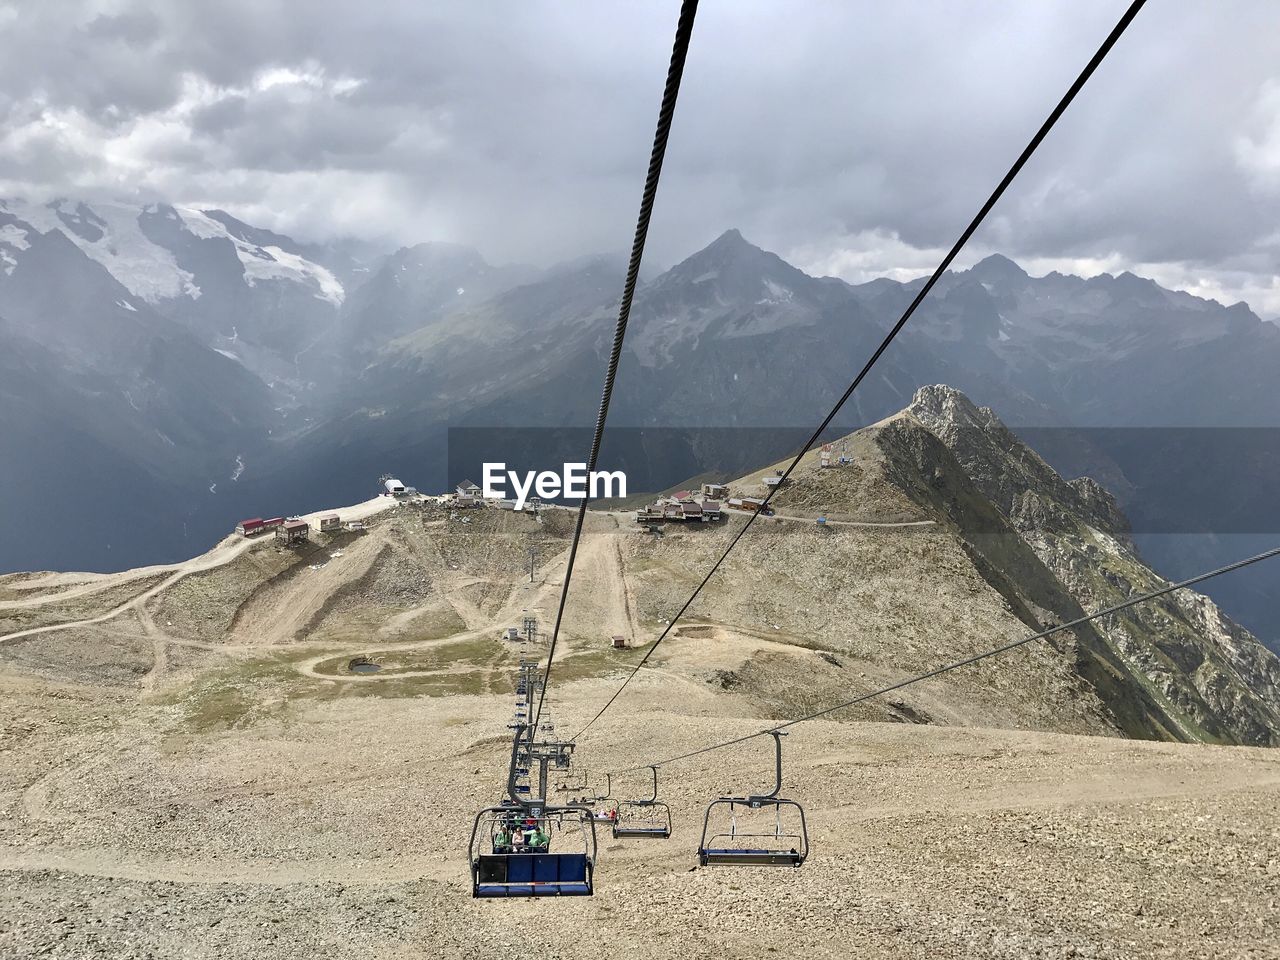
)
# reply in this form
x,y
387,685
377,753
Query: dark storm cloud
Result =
x,y
851,137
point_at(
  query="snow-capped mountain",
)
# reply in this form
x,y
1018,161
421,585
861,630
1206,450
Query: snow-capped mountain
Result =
x,y
256,297
105,402
127,241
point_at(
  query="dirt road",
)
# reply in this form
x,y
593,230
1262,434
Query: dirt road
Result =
x,y
223,553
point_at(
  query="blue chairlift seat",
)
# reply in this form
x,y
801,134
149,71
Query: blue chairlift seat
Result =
x,y
532,875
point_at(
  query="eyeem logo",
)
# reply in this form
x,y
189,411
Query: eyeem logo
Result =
x,y
572,483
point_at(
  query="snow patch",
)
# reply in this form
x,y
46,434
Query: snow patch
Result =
x,y
14,236
239,468
1002,336
227,353
145,269
780,293
290,266
267,263
127,305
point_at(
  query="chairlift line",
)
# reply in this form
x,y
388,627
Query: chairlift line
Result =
x,y
942,267
671,91
996,651
503,866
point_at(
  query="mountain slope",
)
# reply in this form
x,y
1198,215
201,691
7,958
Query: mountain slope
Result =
x,y
114,415
1212,678
418,288
352,363
928,557
251,294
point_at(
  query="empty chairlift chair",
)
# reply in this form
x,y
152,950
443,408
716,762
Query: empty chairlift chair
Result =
x,y
648,819
574,779
785,844
523,848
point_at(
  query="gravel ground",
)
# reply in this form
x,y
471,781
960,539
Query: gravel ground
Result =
x,y
339,831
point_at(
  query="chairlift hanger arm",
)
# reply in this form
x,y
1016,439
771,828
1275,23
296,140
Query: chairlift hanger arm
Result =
x,y
777,759
608,789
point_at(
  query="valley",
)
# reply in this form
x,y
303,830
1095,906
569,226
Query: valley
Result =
x,y
204,369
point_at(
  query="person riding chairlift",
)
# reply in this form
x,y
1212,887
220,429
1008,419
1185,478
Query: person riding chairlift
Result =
x,y
536,840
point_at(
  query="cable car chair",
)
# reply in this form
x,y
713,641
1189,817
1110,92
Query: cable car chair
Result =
x,y
643,819
531,869
765,849
574,779
593,803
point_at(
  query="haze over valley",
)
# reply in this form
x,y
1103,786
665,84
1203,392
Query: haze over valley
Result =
x,y
201,370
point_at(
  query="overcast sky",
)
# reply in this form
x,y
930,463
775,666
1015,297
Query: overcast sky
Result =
x,y
853,138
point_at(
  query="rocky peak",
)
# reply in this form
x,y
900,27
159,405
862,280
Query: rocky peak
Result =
x,y
997,269
946,408
735,267
1214,681
1004,467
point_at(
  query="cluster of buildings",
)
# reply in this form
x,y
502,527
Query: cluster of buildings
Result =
x,y
467,494
685,506
289,530
708,504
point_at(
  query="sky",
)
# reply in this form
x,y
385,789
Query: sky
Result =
x,y
853,138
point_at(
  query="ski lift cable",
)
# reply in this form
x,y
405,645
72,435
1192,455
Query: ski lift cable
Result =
x,y
679,52
1058,628
942,267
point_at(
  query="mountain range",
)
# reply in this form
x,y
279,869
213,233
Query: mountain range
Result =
x,y
168,371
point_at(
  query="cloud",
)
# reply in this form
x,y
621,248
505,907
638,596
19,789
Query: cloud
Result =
x,y
856,138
